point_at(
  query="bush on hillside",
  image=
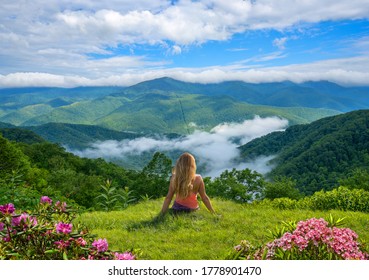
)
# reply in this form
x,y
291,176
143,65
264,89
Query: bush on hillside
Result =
x,y
281,187
49,234
111,198
13,187
341,198
312,239
357,179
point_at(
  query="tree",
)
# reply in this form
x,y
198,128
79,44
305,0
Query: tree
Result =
x,y
11,159
160,165
281,187
239,185
153,180
357,179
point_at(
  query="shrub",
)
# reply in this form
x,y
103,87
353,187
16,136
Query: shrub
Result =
x,y
284,203
341,198
112,199
48,233
312,239
281,187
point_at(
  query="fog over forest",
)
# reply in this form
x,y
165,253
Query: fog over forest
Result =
x,y
216,148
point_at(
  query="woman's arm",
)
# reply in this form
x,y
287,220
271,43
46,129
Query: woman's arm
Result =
x,y
205,199
168,198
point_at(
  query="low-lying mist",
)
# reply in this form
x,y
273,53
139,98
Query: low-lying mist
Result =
x,y
215,150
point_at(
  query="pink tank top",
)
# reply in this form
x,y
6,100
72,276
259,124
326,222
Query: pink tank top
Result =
x,y
190,201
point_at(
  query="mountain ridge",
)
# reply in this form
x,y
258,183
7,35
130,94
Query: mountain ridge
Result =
x,y
166,105
318,154
320,94
158,112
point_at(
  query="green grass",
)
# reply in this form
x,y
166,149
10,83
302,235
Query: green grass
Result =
x,y
199,235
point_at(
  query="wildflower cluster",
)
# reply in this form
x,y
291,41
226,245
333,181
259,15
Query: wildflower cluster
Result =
x,y
49,233
312,239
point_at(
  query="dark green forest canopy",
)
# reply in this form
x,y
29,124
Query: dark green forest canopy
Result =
x,y
29,170
317,155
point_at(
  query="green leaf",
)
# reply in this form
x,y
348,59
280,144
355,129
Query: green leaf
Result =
x,y
13,254
52,251
65,257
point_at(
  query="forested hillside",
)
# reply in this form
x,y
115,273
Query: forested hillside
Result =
x,y
169,106
161,112
321,94
319,154
78,136
32,167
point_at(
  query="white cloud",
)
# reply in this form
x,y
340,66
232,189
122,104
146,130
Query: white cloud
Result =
x,y
347,71
217,148
59,36
176,50
280,43
99,23
41,79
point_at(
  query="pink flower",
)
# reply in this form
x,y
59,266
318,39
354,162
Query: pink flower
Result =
x,y
61,206
7,238
7,208
237,248
101,245
25,220
2,226
63,228
61,244
124,256
80,241
341,241
46,199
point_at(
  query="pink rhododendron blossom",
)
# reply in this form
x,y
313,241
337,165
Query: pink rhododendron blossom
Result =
x,y
7,208
101,245
63,228
61,206
46,199
7,238
25,220
124,256
61,244
80,241
315,232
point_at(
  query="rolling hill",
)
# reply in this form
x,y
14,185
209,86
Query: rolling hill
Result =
x,y
74,136
158,112
322,94
166,105
318,154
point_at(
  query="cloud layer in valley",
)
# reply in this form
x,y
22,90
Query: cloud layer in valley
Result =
x,y
217,149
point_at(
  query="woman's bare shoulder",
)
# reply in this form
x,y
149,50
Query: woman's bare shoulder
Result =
x,y
198,179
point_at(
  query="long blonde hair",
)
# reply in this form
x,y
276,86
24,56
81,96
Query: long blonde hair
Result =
x,y
184,173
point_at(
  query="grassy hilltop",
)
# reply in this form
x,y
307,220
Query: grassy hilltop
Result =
x,y
200,235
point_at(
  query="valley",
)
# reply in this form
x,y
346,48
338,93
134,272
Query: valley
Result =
x,y
246,121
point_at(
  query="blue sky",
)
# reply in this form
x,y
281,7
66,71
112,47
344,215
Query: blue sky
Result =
x,y
118,42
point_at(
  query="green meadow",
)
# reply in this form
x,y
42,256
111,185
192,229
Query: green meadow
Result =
x,y
201,235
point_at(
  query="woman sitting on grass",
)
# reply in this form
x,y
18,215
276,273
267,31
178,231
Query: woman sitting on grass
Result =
x,y
186,184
